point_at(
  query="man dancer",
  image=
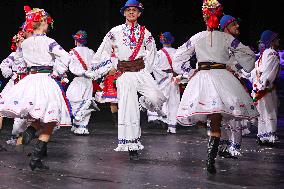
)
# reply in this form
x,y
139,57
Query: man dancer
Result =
x,y
264,93
80,90
231,137
166,84
136,51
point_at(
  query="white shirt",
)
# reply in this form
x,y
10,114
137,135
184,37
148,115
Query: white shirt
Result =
x,y
266,69
162,63
119,39
86,54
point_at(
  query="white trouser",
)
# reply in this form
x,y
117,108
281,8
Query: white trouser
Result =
x,y
76,106
267,121
231,134
128,84
19,126
170,107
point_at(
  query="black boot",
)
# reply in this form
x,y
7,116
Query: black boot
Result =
x,y
133,155
28,135
115,119
37,156
212,153
1,147
44,150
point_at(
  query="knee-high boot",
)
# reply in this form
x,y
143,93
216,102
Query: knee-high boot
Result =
x,y
212,153
37,155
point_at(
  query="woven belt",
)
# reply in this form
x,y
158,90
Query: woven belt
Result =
x,y
40,69
210,65
131,66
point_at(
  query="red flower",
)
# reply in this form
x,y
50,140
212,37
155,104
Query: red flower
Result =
x,y
78,36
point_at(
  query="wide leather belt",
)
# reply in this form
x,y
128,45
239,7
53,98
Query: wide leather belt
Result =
x,y
131,66
210,65
40,69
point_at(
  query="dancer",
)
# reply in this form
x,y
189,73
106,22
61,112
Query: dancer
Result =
x,y
213,92
15,67
136,51
165,83
80,90
231,131
38,95
267,68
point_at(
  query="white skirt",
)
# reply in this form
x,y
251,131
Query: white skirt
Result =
x,y
214,91
8,86
36,96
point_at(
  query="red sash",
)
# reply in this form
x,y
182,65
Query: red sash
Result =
x,y
139,44
84,65
169,58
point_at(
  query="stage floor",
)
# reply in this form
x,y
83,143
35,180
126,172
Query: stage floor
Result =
x,y
168,161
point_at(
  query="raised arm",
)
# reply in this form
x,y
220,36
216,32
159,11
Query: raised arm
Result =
x,y
151,51
62,57
243,54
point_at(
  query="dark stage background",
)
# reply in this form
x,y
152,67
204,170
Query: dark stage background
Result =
x,y
182,18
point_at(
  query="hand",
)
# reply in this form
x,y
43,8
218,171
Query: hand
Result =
x,y
65,80
90,74
177,79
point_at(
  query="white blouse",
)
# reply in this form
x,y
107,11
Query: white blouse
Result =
x,y
40,50
214,46
13,63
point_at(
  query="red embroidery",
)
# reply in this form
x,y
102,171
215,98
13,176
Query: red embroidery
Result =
x,y
138,46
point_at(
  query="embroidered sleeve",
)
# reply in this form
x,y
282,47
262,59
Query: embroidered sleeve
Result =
x,y
243,54
53,45
104,52
110,36
269,69
151,51
61,56
149,40
235,43
102,69
6,66
181,61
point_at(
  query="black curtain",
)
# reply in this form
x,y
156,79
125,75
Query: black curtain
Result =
x,y
182,18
